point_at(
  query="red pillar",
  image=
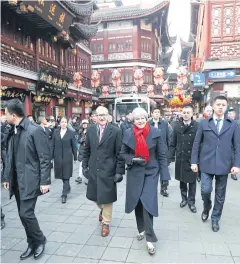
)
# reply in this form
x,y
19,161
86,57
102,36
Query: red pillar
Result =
x,y
69,108
28,105
49,107
83,109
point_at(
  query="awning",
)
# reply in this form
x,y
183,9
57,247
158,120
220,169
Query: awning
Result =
x,y
221,64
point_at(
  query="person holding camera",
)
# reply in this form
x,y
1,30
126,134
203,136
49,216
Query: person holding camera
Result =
x,y
103,165
144,152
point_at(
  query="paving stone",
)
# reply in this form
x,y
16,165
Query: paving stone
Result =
x,y
11,257
77,238
91,252
188,258
44,258
84,260
236,260
75,220
88,207
70,250
80,212
8,243
216,249
121,242
86,229
60,259
58,237
193,247
95,240
115,254
167,234
2,251
64,227
126,232
218,259
235,249
51,247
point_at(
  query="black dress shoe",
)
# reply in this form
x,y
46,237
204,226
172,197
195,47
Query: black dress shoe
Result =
x,y
39,251
183,204
64,199
164,193
215,227
28,253
198,179
192,208
234,177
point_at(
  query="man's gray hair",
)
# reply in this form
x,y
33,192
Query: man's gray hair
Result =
x,y
139,112
40,119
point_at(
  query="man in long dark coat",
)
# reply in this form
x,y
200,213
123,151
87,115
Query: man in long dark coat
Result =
x,y
166,132
181,145
103,166
28,173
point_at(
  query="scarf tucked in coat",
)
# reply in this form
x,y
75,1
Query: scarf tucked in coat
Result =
x,y
140,135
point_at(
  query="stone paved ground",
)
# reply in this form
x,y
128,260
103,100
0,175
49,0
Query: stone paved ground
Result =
x,y
73,231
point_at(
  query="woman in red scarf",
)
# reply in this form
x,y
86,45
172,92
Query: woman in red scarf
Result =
x,y
144,154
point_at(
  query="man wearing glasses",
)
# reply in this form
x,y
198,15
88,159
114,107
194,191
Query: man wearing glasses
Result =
x,y
103,166
181,146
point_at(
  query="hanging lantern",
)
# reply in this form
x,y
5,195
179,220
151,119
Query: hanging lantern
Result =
x,y
23,8
12,2
61,101
77,103
74,51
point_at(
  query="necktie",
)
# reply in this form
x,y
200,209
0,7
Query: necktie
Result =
x,y
218,125
101,129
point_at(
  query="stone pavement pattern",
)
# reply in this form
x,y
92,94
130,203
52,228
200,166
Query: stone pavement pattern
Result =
x,y
73,230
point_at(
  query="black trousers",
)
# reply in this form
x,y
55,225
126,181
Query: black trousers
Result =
x,y
220,193
66,187
3,157
188,192
164,185
2,215
145,222
29,221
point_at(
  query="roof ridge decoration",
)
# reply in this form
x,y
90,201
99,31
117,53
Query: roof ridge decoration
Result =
x,y
126,12
86,31
83,9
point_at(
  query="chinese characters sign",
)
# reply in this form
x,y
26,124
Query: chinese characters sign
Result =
x,y
52,83
52,12
10,93
222,74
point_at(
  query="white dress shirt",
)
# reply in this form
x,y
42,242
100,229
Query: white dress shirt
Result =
x,y
63,132
215,118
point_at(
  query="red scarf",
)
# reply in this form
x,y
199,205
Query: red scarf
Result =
x,y
140,135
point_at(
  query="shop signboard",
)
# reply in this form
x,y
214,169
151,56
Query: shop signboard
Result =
x,y
79,95
11,93
222,74
15,82
52,83
53,13
199,79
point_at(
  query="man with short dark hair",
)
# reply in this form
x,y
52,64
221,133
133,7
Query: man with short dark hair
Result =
x,y
181,147
216,149
28,173
157,122
127,123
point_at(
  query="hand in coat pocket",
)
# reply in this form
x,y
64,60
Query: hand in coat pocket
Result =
x,y
85,173
118,178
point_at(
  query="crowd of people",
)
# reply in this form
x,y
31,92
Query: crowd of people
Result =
x,y
140,147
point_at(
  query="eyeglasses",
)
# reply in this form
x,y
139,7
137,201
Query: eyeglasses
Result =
x,y
102,115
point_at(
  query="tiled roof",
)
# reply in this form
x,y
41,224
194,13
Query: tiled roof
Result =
x,y
83,9
83,31
125,12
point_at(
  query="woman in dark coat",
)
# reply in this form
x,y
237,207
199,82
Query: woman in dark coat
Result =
x,y
81,142
63,151
144,153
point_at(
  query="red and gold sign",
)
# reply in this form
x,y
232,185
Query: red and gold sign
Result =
x,y
77,79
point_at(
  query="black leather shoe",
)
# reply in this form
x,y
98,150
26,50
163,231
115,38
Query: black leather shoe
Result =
x,y
183,204
39,251
198,179
234,177
164,193
192,208
28,253
2,224
64,199
215,227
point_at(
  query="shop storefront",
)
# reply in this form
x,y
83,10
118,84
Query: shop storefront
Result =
x,y
17,87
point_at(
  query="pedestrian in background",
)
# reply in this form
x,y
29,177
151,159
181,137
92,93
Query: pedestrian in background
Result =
x,y
28,173
145,155
64,150
81,141
216,149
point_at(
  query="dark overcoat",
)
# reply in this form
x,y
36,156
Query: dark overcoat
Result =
x,y
142,181
33,162
181,148
64,150
104,161
217,153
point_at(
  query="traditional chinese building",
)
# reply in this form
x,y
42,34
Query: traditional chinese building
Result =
x,y
218,48
43,43
130,43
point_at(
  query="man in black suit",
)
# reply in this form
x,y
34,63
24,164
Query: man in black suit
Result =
x,y
28,173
